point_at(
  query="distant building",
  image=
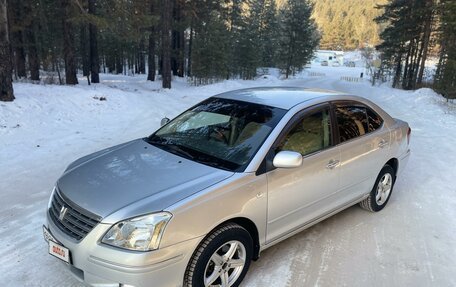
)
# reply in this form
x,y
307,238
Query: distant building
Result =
x,y
330,56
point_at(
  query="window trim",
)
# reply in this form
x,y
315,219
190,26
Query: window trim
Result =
x,y
355,104
375,113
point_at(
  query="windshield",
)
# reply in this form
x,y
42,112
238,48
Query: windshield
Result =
x,y
219,132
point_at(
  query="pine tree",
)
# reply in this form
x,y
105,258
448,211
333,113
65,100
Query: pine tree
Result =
x,y
6,81
84,49
93,40
347,24
445,79
406,39
236,25
299,36
32,50
166,19
178,38
210,50
152,45
68,44
16,28
268,32
249,45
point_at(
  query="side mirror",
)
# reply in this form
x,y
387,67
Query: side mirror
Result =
x,y
287,159
164,121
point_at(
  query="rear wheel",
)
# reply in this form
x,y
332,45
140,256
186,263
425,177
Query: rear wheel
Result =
x,y
381,192
222,259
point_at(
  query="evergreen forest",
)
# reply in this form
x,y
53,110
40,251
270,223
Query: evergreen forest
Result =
x,y
206,41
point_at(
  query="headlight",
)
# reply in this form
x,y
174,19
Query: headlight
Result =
x,y
140,233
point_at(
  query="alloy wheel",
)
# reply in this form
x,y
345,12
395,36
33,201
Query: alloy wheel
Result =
x,y
225,265
384,189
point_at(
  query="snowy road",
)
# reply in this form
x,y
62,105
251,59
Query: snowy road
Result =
x,y
412,242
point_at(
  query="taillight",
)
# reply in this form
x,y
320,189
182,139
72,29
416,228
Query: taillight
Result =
x,y
409,132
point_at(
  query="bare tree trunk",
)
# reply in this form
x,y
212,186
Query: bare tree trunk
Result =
x,y
141,57
406,66
94,59
6,69
134,61
178,40
398,71
15,16
31,43
290,57
84,50
190,45
426,43
68,45
33,61
181,54
166,18
151,50
19,53
412,65
119,61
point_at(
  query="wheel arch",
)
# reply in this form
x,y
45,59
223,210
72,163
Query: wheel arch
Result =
x,y
251,228
394,163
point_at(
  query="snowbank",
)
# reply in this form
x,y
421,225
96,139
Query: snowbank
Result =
x,y
411,242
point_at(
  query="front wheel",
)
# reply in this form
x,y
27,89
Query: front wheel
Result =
x,y
381,192
222,259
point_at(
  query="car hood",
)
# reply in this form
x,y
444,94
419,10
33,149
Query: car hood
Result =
x,y
132,173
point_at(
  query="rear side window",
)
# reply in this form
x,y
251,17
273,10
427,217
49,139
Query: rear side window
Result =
x,y
351,121
374,120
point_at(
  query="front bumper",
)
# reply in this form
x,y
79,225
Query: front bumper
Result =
x,y
97,264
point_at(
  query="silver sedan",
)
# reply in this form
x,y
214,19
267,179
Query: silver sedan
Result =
x,y
195,202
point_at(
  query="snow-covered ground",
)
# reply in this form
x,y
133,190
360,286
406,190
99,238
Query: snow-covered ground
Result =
x,y
412,242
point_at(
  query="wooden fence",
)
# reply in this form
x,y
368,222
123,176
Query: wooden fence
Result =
x,y
351,79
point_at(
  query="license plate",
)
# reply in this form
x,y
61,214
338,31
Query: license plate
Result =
x,y
47,235
56,249
59,251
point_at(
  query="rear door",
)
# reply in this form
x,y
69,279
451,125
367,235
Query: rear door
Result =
x,y
297,196
364,142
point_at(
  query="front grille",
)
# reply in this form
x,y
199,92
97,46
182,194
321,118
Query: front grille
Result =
x,y
75,222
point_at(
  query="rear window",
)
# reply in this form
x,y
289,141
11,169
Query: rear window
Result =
x,y
351,121
357,120
374,120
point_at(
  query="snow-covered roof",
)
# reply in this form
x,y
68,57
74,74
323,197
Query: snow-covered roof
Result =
x,y
330,52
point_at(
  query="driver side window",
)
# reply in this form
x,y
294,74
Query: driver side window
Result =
x,y
312,133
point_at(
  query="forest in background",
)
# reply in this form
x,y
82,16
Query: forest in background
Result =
x,y
204,40
347,24
414,29
51,41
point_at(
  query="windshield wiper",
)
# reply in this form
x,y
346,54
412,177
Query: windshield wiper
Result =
x,y
178,149
170,146
187,152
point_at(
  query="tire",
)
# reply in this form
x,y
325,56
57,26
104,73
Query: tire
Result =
x,y
381,192
219,257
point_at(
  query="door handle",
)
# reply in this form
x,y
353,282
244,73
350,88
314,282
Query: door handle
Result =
x,y
382,144
332,164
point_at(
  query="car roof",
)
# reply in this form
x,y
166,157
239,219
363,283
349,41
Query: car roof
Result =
x,y
280,97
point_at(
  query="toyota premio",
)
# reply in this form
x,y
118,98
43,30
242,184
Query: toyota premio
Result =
x,y
195,202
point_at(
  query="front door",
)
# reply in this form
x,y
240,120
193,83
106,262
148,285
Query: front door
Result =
x,y
296,196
